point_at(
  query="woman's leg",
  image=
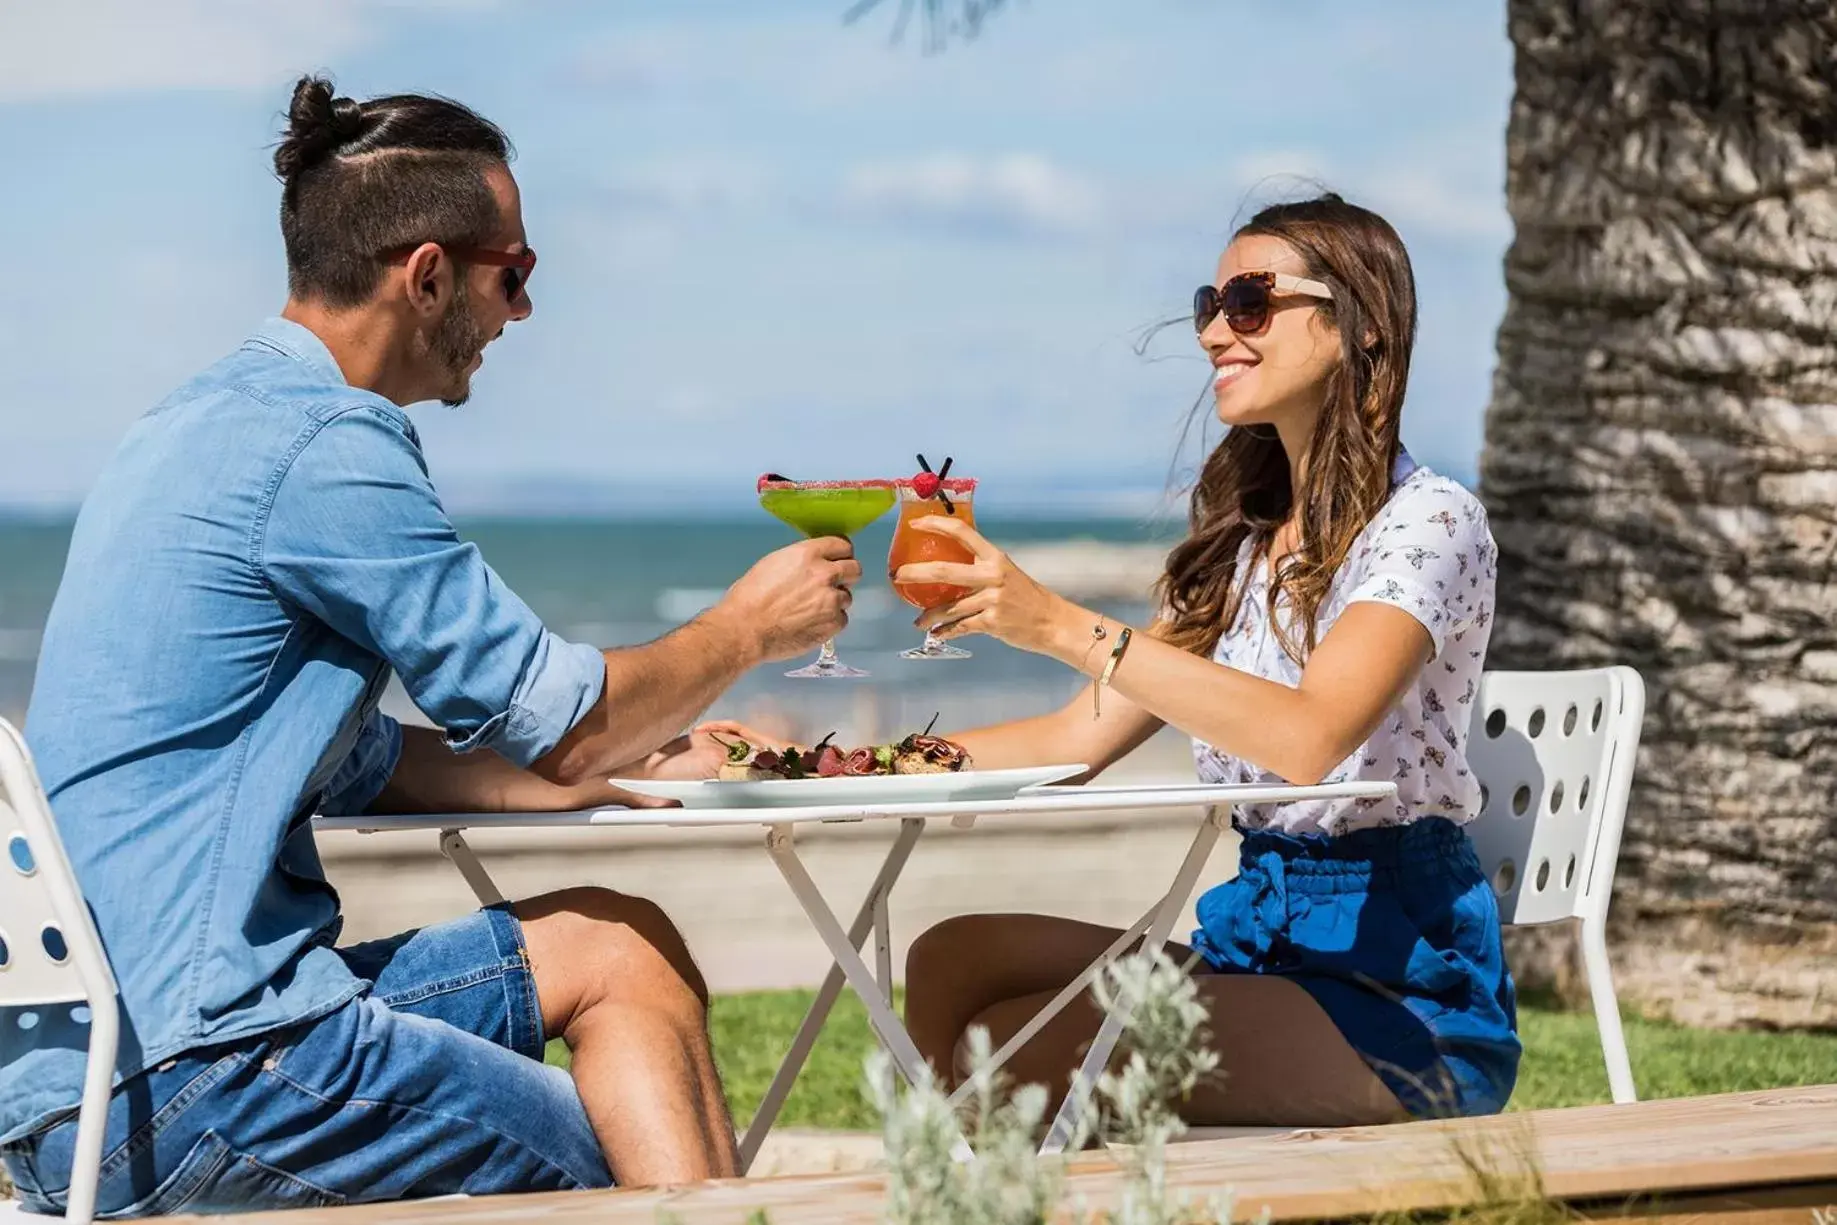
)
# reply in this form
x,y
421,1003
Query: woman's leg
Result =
x,y
1282,1061
964,966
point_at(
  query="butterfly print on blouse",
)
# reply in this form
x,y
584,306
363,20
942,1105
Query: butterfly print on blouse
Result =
x,y
1467,698
1446,519
1419,733
1403,768
1416,555
1433,701
1436,755
1392,590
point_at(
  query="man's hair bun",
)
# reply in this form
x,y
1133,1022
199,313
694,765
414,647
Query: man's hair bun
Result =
x,y
318,124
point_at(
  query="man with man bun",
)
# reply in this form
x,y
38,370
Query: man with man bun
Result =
x,y
263,551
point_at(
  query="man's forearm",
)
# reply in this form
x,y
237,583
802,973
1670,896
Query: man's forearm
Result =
x,y
430,777
652,693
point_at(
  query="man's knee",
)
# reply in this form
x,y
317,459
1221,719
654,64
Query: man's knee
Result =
x,y
627,948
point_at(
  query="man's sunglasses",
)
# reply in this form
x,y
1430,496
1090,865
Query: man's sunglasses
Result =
x,y
517,265
1244,299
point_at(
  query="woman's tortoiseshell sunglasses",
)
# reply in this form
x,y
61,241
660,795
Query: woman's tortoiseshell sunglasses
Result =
x,y
1244,300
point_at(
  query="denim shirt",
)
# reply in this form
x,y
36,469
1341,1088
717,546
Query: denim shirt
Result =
x,y
262,551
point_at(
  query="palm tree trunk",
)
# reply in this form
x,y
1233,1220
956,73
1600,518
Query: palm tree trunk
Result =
x,y
1661,461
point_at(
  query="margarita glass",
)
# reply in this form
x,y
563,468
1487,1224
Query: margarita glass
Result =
x,y
826,508
920,498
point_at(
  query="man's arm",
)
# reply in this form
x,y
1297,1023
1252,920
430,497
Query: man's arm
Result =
x,y
788,603
430,777
356,538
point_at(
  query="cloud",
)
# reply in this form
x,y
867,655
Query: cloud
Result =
x,y
1424,191
1426,199
116,47
996,195
1445,190
698,183
1008,195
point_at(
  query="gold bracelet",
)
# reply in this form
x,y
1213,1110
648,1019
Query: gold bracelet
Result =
x,y
1109,670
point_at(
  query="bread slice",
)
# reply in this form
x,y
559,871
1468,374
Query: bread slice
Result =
x,y
915,763
741,772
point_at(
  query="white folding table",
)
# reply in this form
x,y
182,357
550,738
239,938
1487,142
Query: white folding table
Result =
x,y
875,987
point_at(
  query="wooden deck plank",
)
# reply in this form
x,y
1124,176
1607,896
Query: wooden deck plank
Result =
x,y
1788,1205
1741,1154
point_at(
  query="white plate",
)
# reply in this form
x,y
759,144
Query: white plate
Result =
x,y
872,789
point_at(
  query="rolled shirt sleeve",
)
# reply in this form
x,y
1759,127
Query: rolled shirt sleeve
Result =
x,y
355,535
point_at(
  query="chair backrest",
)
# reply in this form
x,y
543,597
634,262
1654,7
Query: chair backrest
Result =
x,y
1554,753
49,950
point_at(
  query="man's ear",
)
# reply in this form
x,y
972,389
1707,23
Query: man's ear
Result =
x,y
427,279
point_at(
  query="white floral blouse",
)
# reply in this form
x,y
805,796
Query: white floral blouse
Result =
x,y
1429,552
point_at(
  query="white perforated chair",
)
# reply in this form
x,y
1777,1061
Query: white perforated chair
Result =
x,y
50,953
1554,752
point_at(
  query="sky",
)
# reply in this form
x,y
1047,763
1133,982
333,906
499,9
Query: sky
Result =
x,y
769,240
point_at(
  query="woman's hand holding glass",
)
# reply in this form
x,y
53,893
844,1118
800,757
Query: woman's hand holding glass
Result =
x,y
1000,600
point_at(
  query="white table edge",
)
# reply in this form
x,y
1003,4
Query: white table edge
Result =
x,y
1045,799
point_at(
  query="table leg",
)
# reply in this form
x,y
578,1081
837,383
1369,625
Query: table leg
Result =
x,y
872,911
887,1026
1172,903
453,845
883,948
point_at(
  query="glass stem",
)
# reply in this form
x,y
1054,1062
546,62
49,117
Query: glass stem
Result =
x,y
828,654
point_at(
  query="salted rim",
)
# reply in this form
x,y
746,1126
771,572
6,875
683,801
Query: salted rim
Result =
x,y
765,484
955,484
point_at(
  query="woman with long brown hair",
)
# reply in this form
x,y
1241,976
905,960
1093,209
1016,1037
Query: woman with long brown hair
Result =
x,y
1325,619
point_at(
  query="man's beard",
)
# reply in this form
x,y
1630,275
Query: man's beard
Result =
x,y
457,339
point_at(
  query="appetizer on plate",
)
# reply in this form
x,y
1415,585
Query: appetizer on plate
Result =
x,y
919,753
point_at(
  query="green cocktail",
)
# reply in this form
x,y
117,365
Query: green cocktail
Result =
x,y
826,508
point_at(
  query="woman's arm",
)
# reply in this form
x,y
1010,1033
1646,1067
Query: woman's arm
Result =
x,y
1358,672
1067,735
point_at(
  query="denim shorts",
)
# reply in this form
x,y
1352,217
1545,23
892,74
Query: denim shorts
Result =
x,y
430,1083
1395,933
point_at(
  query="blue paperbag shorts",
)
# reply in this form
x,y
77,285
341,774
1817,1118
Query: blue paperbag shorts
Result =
x,y
1395,933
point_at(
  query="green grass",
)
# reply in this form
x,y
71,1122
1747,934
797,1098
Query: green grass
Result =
x,y
1562,1062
